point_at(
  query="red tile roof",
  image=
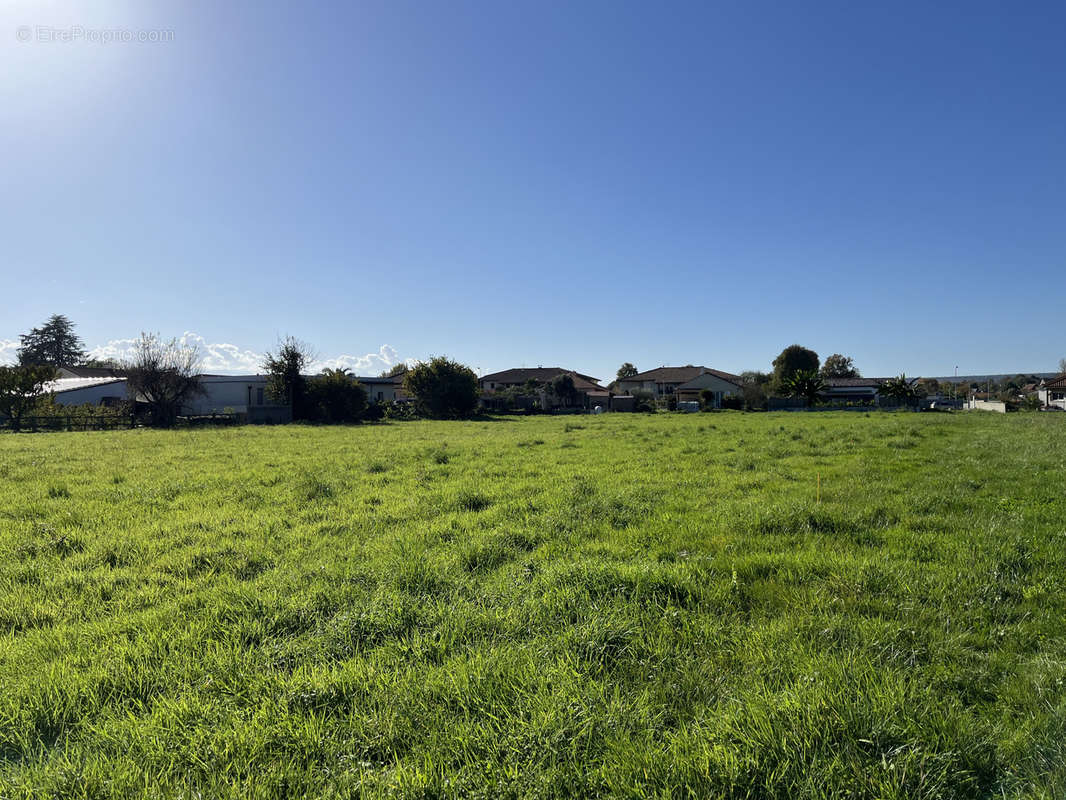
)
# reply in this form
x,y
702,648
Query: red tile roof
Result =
x,y
680,375
541,375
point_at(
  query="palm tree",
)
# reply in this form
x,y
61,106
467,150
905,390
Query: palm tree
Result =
x,y
899,388
805,383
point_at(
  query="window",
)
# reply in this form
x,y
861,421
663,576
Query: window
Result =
x,y
381,396
259,396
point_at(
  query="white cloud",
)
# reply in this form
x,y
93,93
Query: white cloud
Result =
x,y
222,357
7,351
369,364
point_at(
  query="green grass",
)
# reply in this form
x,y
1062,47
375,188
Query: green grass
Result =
x,y
622,606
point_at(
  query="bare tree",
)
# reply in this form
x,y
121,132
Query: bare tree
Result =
x,y
1062,365
163,375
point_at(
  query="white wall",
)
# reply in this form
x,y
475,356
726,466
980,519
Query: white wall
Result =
x,y
229,392
92,394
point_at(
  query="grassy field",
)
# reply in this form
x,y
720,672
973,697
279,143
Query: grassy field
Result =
x,y
620,606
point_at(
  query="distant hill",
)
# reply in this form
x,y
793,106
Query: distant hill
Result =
x,y
994,378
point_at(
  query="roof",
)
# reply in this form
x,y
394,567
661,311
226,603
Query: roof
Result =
x,y
699,382
681,375
856,383
538,374
1058,382
95,372
853,383
61,385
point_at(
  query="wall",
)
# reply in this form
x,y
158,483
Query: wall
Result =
x,y
92,394
986,405
228,392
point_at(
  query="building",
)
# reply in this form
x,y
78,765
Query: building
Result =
x,y
720,384
246,395
1052,392
857,390
384,390
589,392
666,381
79,391
852,390
91,372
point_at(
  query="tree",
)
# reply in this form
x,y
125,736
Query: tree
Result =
x,y
442,388
755,377
838,366
20,390
336,396
644,400
806,383
163,375
791,360
562,386
285,381
627,370
899,388
1062,365
929,387
54,344
394,370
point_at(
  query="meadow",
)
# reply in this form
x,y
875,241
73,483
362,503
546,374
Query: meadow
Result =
x,y
705,605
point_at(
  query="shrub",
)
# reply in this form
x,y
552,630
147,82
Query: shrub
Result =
x,y
335,396
443,389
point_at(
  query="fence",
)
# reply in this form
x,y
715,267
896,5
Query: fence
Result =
x,y
110,422
881,403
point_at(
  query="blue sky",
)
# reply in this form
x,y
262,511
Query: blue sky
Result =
x,y
574,184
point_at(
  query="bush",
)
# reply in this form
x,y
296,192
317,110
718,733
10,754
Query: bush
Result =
x,y
335,397
443,389
733,402
644,401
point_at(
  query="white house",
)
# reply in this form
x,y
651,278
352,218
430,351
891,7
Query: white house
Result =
x,y
1052,393
228,394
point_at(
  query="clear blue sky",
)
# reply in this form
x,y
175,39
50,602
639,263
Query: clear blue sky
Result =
x,y
574,184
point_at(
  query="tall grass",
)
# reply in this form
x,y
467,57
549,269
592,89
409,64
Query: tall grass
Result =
x,y
630,606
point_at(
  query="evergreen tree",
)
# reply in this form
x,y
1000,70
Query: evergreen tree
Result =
x,y
53,344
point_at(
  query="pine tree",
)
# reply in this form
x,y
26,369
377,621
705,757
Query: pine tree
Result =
x,y
53,344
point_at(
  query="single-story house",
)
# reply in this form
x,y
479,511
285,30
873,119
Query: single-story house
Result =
x,y
666,381
720,384
237,394
855,390
1052,392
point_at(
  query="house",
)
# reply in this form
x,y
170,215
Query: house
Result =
x,y
720,384
1052,392
856,390
852,390
588,388
384,390
79,391
665,381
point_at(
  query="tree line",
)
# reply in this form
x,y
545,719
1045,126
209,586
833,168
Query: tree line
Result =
x,y
163,377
